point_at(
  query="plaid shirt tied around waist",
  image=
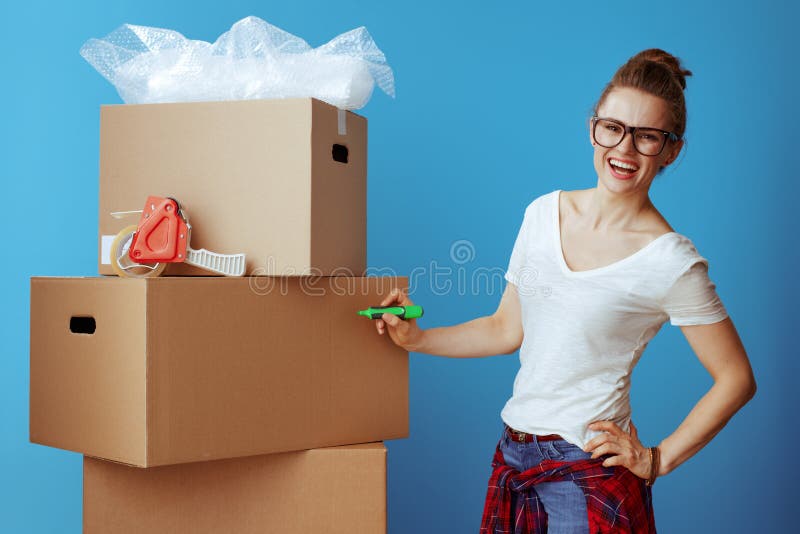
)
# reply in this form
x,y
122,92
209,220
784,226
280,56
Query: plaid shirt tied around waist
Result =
x,y
617,501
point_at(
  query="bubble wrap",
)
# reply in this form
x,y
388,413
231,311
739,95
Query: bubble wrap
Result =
x,y
254,59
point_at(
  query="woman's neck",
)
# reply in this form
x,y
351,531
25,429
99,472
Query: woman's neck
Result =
x,y
605,211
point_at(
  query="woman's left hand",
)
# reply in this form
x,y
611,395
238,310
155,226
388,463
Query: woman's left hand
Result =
x,y
625,449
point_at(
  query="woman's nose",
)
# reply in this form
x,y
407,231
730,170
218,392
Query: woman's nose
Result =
x,y
626,145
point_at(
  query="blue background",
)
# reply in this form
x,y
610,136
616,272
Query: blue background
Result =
x,y
490,113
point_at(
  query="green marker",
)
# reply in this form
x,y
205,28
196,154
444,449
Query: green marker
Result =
x,y
404,312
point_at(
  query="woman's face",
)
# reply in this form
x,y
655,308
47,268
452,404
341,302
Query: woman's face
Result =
x,y
632,107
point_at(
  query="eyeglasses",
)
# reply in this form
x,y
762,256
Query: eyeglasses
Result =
x,y
647,141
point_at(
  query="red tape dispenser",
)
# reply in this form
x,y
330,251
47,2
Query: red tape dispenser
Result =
x,y
161,237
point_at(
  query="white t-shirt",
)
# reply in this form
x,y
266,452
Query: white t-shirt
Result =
x,y
584,331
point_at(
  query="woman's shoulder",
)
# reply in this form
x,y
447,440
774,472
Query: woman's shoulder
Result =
x,y
676,255
543,198
678,244
540,203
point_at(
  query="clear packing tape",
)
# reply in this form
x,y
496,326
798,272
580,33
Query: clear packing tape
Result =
x,y
254,59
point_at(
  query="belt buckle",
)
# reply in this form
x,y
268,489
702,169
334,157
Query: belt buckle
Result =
x,y
520,436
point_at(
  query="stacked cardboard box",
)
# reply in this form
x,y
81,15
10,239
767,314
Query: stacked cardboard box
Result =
x,y
209,404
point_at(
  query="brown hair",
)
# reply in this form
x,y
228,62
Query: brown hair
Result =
x,y
656,72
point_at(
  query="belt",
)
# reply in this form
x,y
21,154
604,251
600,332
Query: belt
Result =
x,y
524,437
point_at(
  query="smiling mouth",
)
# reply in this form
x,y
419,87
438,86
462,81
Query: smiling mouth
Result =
x,y
622,168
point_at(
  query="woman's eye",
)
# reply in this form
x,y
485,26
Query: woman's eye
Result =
x,y
612,127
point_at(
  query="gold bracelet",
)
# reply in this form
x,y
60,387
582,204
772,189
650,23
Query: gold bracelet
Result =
x,y
655,455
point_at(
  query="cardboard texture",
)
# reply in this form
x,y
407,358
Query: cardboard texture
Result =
x,y
340,490
186,369
262,177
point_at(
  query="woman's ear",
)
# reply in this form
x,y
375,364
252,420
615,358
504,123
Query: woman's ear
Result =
x,y
673,154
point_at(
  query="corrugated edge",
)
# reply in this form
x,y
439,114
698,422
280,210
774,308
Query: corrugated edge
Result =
x,y
30,342
148,341
310,179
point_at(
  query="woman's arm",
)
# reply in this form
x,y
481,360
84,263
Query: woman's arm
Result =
x,y
499,333
720,350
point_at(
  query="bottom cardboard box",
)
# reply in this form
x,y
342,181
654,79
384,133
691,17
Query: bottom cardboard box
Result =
x,y
330,490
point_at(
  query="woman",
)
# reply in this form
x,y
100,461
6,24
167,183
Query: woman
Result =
x,y
593,276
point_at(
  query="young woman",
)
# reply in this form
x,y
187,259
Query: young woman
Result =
x,y
593,276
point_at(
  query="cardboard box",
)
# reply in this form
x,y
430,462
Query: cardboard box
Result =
x,y
171,370
340,490
283,181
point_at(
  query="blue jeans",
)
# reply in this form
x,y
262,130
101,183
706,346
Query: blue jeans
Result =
x,y
564,502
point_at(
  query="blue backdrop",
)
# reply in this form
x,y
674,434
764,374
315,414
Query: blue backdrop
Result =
x,y
490,113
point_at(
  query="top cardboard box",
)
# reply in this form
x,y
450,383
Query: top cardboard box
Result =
x,y
283,181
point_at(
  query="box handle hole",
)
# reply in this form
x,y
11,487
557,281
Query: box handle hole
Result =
x,y
82,325
339,153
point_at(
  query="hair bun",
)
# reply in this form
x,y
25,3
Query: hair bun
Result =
x,y
673,63
658,73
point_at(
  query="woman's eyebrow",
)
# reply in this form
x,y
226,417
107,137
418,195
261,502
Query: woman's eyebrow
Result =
x,y
640,127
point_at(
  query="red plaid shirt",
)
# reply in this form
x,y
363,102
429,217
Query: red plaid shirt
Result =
x,y
617,501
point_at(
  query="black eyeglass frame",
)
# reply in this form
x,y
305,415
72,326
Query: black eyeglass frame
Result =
x,y
668,136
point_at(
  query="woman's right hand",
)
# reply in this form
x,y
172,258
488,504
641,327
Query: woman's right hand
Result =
x,y
404,332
